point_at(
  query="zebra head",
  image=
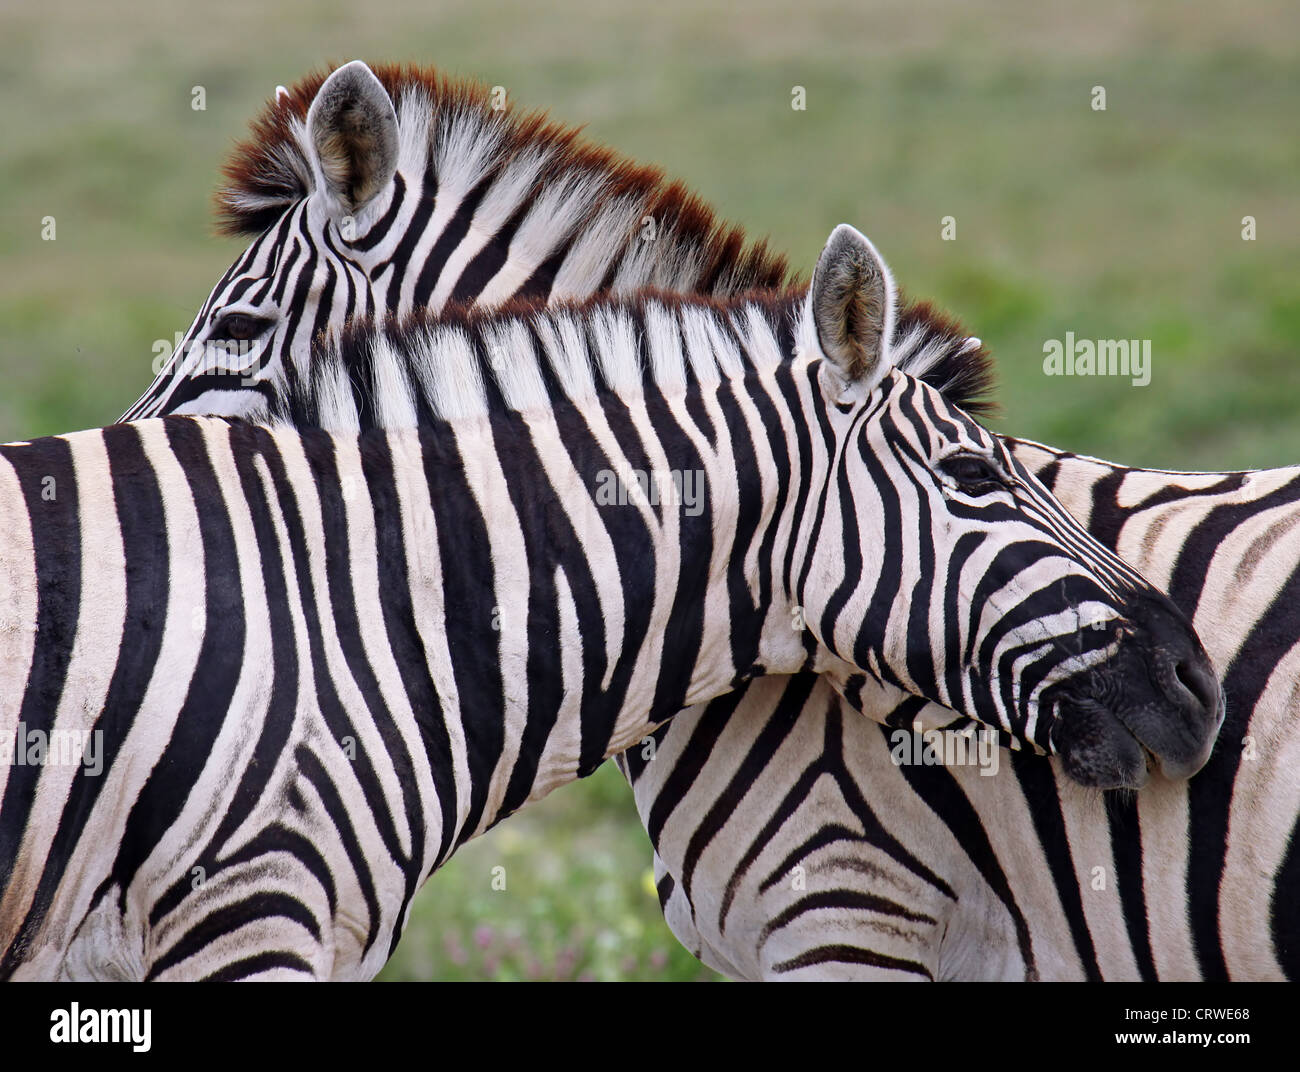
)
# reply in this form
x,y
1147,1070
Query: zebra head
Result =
x,y
394,190
310,269
931,531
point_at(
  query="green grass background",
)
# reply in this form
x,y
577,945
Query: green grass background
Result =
x,y
1124,223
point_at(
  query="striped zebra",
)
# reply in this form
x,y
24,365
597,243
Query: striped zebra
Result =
x,y
398,190
308,665
393,190
479,205
794,842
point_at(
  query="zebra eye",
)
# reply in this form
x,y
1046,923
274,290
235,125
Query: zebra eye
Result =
x,y
240,327
972,473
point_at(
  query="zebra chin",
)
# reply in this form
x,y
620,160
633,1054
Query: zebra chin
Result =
x,y
1155,705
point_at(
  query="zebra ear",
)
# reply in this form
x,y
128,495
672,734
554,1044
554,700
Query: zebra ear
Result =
x,y
852,309
352,128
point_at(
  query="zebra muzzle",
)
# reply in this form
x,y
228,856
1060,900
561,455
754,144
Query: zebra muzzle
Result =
x,y
1155,705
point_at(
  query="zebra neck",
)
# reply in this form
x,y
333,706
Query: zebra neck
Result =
x,y
483,210
580,585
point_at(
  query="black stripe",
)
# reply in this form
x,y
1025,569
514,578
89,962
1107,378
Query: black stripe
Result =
x,y
803,432
278,839
885,596
552,546
350,302
1209,794
411,236
832,761
205,707
847,954
537,287
379,472
52,509
664,889
139,511
261,962
469,601
1044,806
297,248
457,227
314,772
1125,825
484,265
844,900
1284,908
380,230
710,721
338,721
229,918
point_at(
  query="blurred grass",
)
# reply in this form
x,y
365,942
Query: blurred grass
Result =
x,y
1124,223
578,902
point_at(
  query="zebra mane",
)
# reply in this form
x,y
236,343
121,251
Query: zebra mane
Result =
x,y
934,347
468,361
451,129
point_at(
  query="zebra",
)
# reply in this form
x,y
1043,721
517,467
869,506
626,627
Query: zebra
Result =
x,y
394,190
564,228
792,842
482,206
380,191
321,660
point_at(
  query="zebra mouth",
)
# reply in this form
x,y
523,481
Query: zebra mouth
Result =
x,y
1099,749
1152,707
1152,760
1102,749
1178,756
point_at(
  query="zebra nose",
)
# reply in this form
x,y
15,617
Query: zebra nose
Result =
x,y
1182,729
1181,667
1193,689
1201,685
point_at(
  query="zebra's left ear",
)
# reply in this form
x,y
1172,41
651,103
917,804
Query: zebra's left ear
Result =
x,y
851,307
352,129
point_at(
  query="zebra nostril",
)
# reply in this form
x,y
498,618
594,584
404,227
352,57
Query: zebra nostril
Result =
x,y
1202,686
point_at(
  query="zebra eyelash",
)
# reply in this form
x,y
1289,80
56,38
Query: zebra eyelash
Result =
x,y
240,326
973,473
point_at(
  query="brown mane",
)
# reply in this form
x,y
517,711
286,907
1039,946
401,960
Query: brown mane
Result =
x,y
268,172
